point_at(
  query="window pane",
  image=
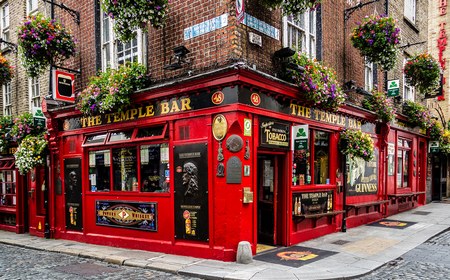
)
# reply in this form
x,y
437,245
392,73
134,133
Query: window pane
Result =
x,y
399,168
125,169
150,131
96,139
99,170
301,175
405,169
321,154
154,168
119,136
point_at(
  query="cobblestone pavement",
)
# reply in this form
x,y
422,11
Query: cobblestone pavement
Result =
x,y
430,260
21,263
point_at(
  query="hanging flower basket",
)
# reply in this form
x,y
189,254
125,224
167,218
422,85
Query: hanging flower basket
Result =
x,y
130,15
5,127
418,115
319,83
23,126
355,143
291,7
423,72
111,90
6,70
377,38
435,131
43,42
380,104
30,153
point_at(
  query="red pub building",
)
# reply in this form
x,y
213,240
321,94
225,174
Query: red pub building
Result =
x,y
218,155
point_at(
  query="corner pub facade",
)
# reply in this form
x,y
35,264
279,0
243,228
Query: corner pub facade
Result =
x,y
195,169
195,166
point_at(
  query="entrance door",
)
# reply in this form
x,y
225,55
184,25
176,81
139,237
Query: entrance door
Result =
x,y
36,201
270,199
439,176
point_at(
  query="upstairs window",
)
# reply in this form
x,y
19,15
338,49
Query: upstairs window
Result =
x,y
115,52
7,105
299,33
34,93
32,6
410,10
4,24
368,75
408,90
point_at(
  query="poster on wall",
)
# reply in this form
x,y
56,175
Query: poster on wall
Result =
x,y
191,192
126,214
72,193
391,154
308,203
362,176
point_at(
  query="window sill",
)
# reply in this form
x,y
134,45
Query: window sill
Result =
x,y
411,24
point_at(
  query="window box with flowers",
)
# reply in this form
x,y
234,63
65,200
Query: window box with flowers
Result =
x,y
423,72
130,15
319,83
418,115
377,38
6,70
355,143
291,7
23,125
30,153
381,105
43,42
111,90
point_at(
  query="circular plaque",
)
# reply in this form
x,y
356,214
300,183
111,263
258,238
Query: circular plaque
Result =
x,y
219,127
235,143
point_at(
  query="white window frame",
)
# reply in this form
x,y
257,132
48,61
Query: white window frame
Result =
x,y
32,6
409,10
111,57
305,27
4,23
409,91
368,75
7,99
34,93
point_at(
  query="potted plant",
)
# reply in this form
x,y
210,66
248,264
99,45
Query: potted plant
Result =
x,y
30,153
43,42
111,90
423,72
23,125
377,38
418,115
6,70
291,7
355,143
130,15
380,104
319,83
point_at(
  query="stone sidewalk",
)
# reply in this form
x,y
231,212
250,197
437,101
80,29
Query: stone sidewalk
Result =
x,y
358,251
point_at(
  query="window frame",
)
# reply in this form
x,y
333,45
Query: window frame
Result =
x,y
32,6
5,24
109,45
409,91
409,10
406,164
34,93
309,31
7,99
369,72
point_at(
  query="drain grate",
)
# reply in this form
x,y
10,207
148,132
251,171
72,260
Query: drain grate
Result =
x,y
340,242
86,269
423,213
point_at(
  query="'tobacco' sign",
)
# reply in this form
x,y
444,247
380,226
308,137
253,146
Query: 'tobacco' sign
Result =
x,y
63,86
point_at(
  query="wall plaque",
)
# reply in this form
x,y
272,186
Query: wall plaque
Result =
x,y
234,171
219,127
235,143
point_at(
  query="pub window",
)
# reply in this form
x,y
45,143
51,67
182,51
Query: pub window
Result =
x,y
311,164
120,136
151,131
403,165
99,170
154,168
8,188
125,169
95,139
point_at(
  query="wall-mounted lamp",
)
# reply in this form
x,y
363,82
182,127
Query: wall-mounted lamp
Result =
x,y
178,58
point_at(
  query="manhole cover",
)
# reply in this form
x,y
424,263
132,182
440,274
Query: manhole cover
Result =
x,y
423,213
86,269
340,242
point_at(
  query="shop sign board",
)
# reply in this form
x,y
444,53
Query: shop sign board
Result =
x,y
312,203
362,176
393,88
191,192
127,214
72,190
434,146
274,133
63,86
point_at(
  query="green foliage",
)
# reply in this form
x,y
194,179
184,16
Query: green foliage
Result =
x,y
418,115
30,153
423,72
23,126
291,7
6,70
379,103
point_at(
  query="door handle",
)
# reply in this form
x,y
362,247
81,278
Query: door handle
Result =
x,y
30,193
